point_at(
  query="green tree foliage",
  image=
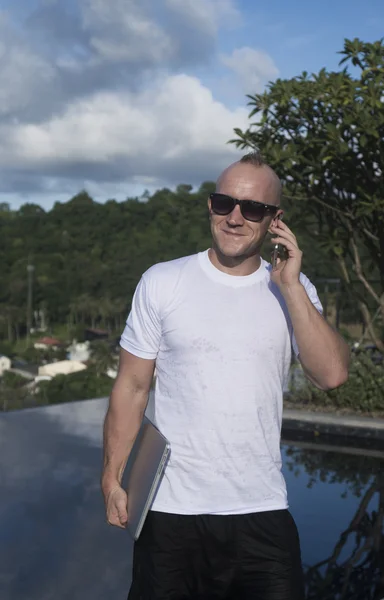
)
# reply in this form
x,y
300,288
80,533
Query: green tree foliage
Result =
x,y
324,135
363,392
102,358
12,391
12,381
48,355
88,257
76,386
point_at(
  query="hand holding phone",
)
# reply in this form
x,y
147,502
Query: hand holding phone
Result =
x,y
286,257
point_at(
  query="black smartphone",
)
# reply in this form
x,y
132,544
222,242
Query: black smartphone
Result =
x,y
275,255
279,251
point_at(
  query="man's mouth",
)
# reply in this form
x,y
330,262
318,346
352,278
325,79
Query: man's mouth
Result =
x,y
233,233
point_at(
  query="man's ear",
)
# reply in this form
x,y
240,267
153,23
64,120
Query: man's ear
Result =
x,y
275,220
277,217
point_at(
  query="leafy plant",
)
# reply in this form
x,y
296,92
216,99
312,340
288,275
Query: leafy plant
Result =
x,y
363,392
76,386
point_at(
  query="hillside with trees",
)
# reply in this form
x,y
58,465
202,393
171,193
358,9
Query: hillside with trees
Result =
x,y
87,257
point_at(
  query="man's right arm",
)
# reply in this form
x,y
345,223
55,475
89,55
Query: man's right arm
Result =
x,y
125,413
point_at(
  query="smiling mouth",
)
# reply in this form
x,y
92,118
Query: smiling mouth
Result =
x,y
233,233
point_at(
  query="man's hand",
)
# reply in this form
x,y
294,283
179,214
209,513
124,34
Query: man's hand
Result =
x,y
286,274
116,502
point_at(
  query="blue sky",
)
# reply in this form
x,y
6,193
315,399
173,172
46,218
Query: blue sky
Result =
x,y
119,96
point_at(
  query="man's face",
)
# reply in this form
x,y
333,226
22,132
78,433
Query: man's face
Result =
x,y
234,236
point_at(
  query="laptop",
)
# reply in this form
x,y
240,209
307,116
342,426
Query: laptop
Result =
x,y
143,473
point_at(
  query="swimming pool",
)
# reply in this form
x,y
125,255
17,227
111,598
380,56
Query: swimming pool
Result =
x,y
54,542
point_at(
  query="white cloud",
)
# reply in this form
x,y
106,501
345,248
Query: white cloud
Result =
x,y
174,128
121,30
137,30
23,73
206,15
253,68
100,94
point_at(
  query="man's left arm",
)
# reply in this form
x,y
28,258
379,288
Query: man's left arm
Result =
x,y
323,353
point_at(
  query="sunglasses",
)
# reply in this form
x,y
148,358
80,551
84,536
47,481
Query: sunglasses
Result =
x,y
251,210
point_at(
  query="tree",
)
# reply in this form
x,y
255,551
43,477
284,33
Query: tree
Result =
x,y
12,391
324,135
102,358
363,392
76,386
89,257
10,316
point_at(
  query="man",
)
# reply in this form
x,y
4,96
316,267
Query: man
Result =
x,y
219,326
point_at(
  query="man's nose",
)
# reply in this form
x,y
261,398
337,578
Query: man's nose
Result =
x,y
235,217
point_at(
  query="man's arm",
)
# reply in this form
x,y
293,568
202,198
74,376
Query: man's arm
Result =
x,y
125,413
323,353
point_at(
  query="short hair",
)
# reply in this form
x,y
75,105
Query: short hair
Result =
x,y
253,158
256,159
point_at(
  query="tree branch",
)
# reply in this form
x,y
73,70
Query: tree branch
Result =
x,y
368,322
315,199
282,125
344,270
359,270
370,235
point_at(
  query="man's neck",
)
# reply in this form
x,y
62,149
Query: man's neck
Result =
x,y
239,266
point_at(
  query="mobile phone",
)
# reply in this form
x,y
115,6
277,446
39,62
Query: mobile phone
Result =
x,y
275,255
279,251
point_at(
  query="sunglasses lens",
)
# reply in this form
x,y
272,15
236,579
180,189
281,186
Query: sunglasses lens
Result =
x,y
252,211
222,204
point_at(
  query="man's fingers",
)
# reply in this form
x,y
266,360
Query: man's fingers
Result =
x,y
117,518
286,235
115,522
122,512
282,229
290,246
117,513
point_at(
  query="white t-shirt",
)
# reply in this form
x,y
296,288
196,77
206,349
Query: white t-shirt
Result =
x,y
222,345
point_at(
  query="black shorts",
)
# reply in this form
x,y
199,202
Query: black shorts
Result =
x,y
215,557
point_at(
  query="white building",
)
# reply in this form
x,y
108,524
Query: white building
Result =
x,y
62,367
79,351
5,364
46,343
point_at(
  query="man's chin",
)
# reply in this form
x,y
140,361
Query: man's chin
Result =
x,y
232,252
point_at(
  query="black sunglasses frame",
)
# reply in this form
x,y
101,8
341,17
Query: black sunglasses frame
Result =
x,y
268,209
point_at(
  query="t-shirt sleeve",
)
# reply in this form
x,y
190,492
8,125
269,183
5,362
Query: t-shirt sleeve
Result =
x,y
314,298
142,332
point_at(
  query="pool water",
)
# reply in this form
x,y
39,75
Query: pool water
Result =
x,y
55,544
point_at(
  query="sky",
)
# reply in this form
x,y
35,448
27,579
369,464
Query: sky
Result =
x,y
122,96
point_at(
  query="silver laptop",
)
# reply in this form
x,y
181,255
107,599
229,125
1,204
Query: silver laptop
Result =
x,y
143,473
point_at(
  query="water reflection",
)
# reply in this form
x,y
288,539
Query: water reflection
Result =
x,y
54,542
354,568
